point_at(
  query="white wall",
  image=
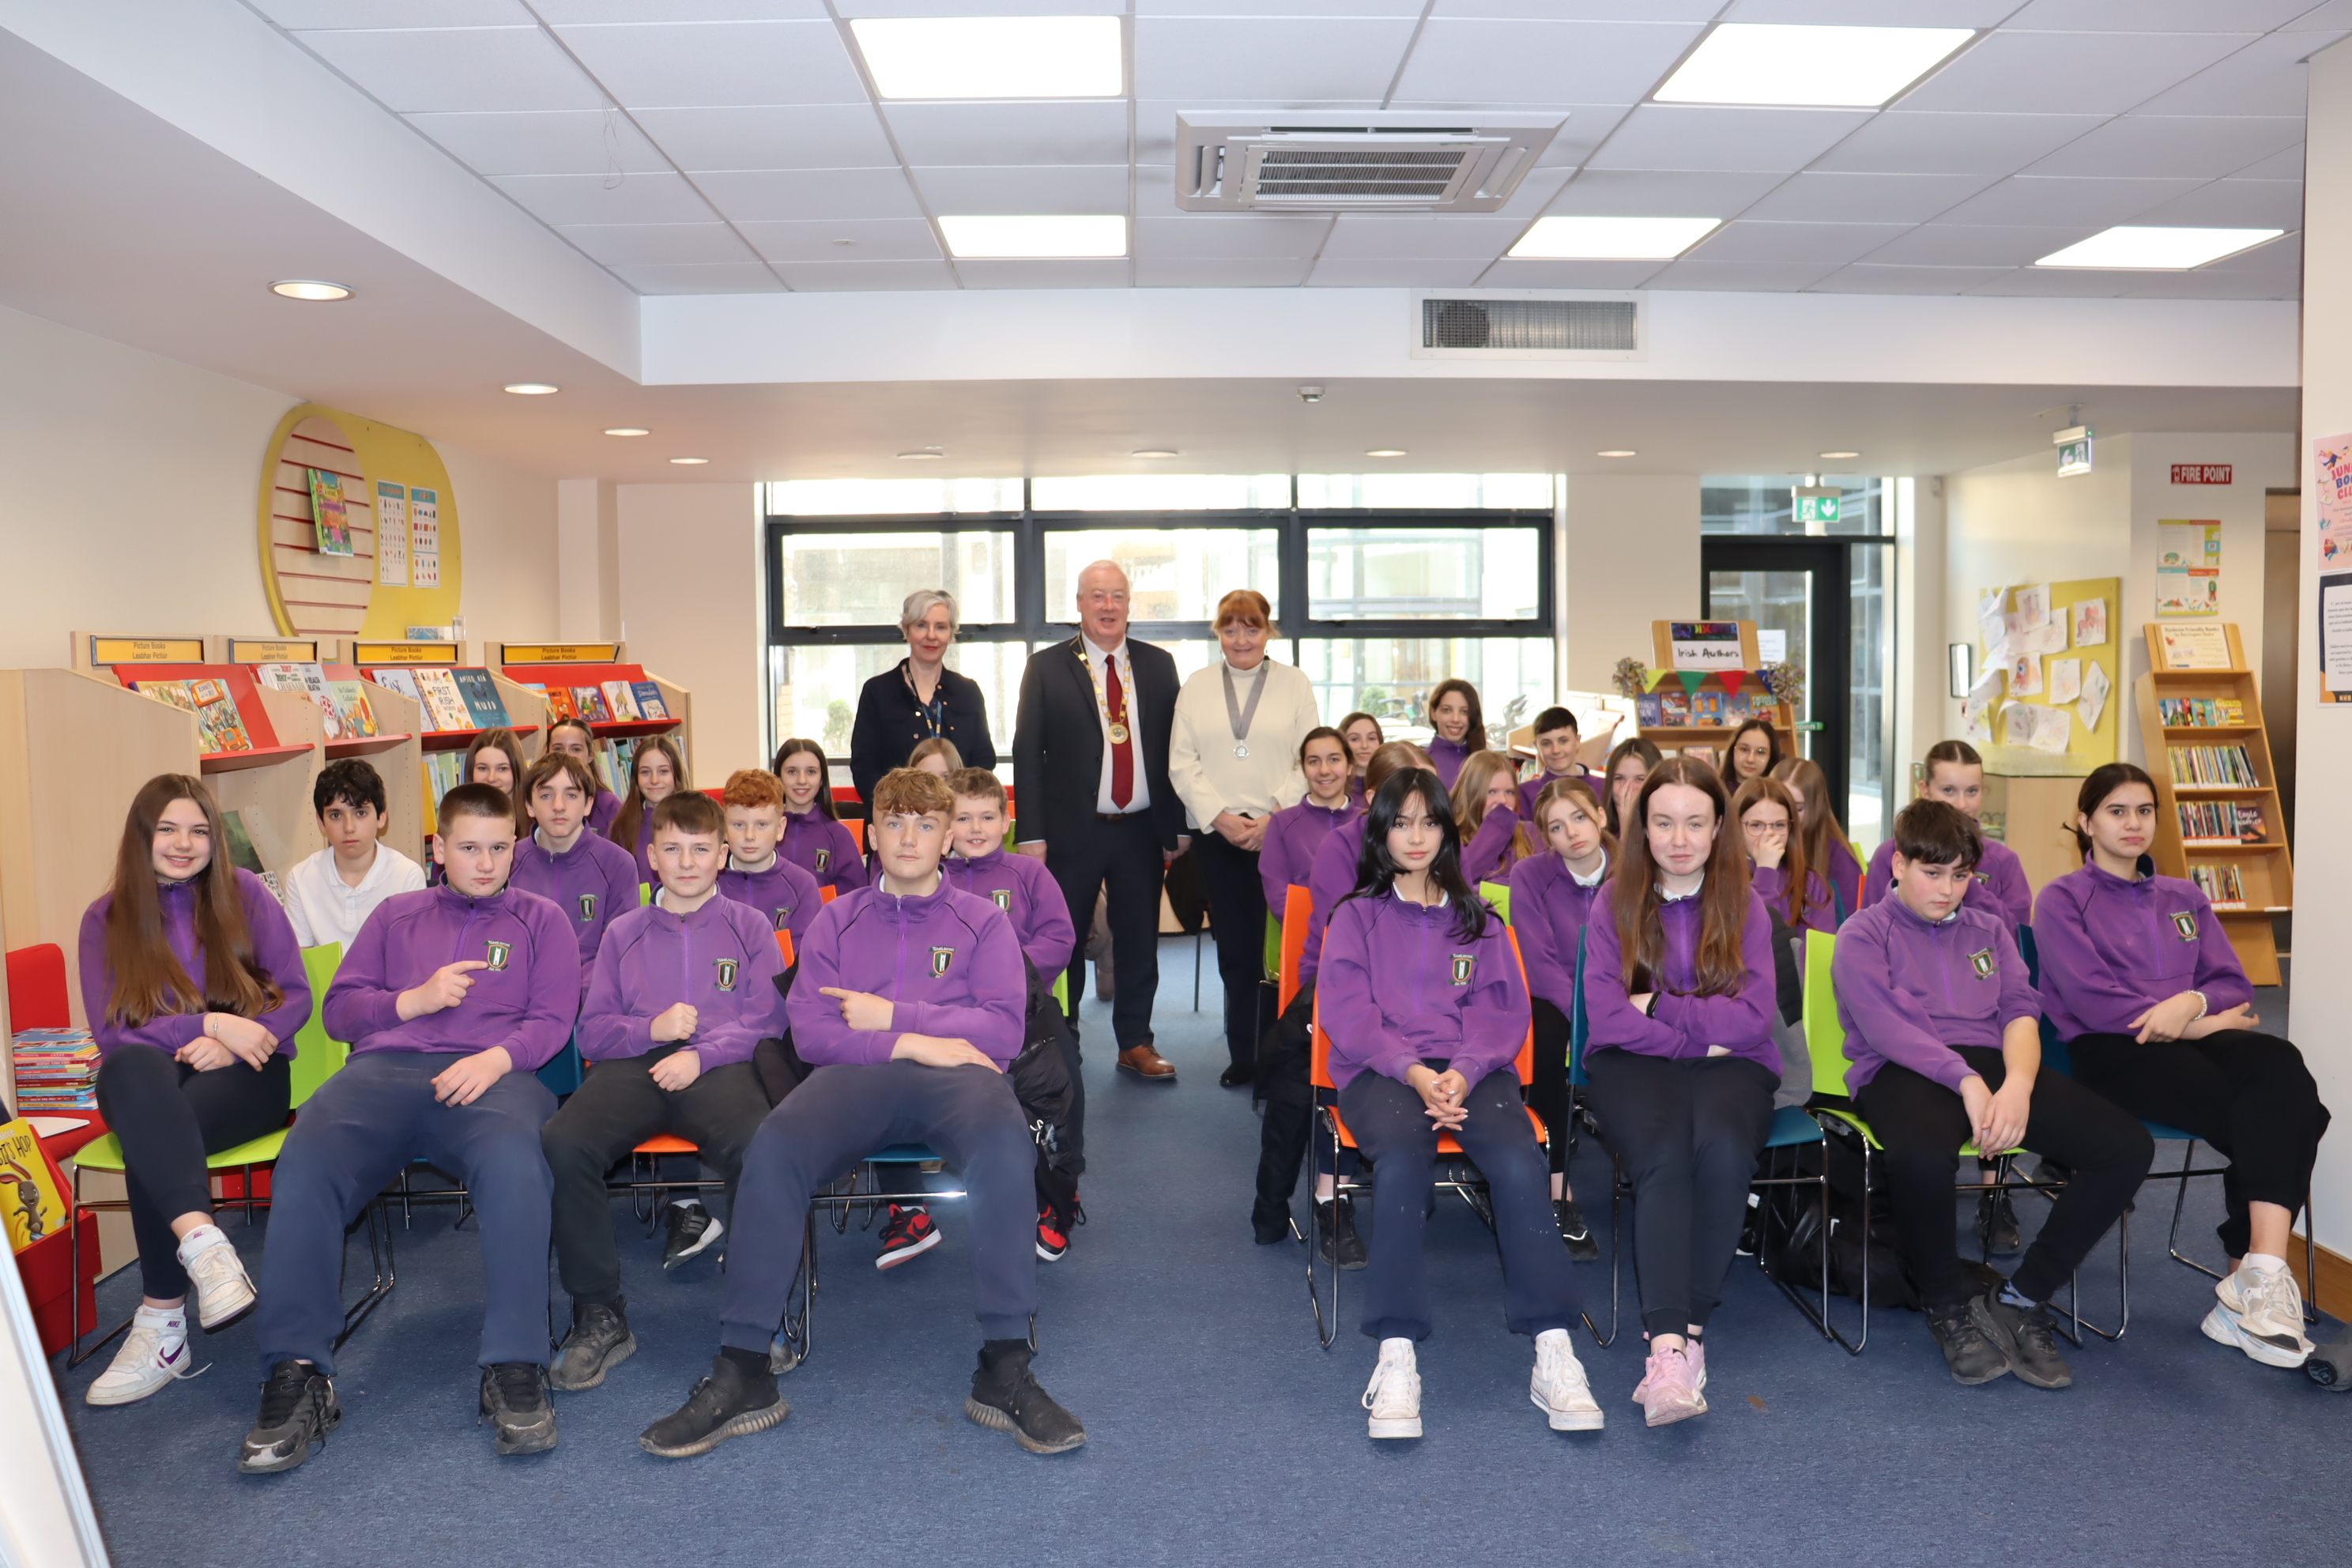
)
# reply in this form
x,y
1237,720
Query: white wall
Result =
x,y
1920,678
2320,1019
1632,557
508,518
690,576
2257,463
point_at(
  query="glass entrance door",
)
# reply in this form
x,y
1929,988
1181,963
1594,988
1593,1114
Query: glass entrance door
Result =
x,y
1799,590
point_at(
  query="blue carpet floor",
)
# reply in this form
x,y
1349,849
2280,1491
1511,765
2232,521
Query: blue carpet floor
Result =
x,y
1221,1432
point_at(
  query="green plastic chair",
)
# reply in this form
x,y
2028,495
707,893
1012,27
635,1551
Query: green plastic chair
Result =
x,y
1272,957
1499,895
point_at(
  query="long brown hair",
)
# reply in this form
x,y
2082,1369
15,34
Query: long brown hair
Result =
x,y
1637,746
1475,737
1469,799
1720,969
1580,791
822,804
1384,763
625,822
1795,868
1819,819
510,744
148,979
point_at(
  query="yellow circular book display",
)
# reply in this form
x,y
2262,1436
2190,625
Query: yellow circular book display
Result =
x,y
399,524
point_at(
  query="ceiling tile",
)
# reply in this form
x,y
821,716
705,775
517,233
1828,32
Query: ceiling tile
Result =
x,y
658,243
833,136
1413,272
2286,165
297,16
708,63
1872,13
1687,136
1822,196
1044,274
747,277
2043,199
558,12
1697,13
1824,245
1660,192
1964,244
2061,283
917,8
1408,9
1092,188
2206,284
2282,258
1509,274
1870,277
1902,142
786,195
1217,237
1272,59
1590,62
565,141
2069,73
1535,194
968,133
2234,203
1771,277
2151,144
1219,272
2267,76
2157,15
1359,236
424,70
892,239
562,199
831,276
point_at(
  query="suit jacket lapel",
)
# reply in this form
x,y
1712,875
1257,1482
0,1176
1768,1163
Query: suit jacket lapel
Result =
x,y
1082,684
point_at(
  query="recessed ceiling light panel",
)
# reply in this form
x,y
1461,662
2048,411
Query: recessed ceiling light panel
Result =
x,y
992,56
1153,452
688,462
1618,452
532,388
1835,456
317,290
1386,452
1806,66
1564,238
628,430
922,455
1045,236
2158,249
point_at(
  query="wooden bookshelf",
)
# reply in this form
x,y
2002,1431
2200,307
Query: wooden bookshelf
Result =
x,y
2266,868
593,664
1735,641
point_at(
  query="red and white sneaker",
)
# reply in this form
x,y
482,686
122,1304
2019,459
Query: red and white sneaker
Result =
x,y
1053,1235
909,1232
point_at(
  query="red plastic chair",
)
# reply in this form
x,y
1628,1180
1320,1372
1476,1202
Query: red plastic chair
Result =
x,y
36,988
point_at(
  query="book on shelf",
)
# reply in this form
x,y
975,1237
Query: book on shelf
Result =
x,y
2199,712
448,704
36,1208
620,700
1707,707
2221,884
2228,767
175,692
219,726
2194,647
404,682
245,856
56,1070
2250,828
1674,709
649,701
588,701
483,706
559,702
353,707
303,681
1648,711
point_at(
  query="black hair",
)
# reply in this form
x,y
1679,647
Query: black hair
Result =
x,y
1937,833
351,783
2104,780
1552,719
1376,872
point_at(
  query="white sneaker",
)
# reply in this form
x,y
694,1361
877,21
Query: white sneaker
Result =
x,y
224,1293
154,1353
1558,1388
1393,1396
2260,1311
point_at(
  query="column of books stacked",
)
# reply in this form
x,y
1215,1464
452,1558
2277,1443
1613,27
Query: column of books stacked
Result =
x,y
57,1069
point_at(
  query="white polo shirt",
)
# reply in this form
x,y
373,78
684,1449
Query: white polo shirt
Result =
x,y
324,908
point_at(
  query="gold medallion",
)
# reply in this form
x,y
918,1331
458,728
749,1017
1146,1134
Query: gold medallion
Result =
x,y
1119,734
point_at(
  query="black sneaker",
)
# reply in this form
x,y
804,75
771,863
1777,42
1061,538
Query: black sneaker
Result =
x,y
599,1341
1997,1224
2026,1336
514,1400
730,1403
1336,1236
1972,1357
1584,1246
1005,1396
1238,1075
299,1407
907,1232
692,1229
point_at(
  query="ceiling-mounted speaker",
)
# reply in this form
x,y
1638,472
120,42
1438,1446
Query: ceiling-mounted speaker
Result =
x,y
1359,161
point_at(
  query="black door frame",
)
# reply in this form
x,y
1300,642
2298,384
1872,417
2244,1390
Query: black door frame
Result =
x,y
1829,663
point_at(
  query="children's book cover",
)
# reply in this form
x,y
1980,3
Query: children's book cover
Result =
x,y
330,523
449,709
559,702
36,1199
589,701
219,726
649,701
175,692
480,693
352,705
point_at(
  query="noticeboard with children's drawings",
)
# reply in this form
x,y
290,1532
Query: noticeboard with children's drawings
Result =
x,y
2045,699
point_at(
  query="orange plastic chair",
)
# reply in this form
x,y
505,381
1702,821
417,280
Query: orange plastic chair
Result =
x,y
785,946
670,1142
827,893
1297,910
857,826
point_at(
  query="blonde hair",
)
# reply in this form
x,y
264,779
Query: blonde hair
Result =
x,y
1469,798
938,746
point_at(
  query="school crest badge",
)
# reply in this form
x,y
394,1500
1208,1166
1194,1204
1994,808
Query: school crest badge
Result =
x,y
823,860
727,967
2185,922
1983,963
1003,897
940,958
500,952
1463,962
587,906
783,916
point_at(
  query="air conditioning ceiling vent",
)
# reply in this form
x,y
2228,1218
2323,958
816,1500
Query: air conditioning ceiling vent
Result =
x,y
1362,162
1586,326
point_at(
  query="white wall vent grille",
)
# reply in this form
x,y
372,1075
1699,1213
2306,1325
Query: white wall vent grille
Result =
x,y
1525,324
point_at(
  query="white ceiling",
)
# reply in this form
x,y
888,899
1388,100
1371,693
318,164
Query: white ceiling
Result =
x,y
734,146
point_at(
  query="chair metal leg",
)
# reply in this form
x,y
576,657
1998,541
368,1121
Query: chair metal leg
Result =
x,y
1326,1323
791,1345
379,1229
76,1351
1196,968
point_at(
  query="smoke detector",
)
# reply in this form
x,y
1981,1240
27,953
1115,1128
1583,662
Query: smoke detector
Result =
x,y
1358,160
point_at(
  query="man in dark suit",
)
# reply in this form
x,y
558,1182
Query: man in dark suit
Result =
x,y
1091,759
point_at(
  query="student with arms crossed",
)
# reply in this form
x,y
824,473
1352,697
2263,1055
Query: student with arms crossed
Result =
x,y
329,895
1552,895
1944,1031
452,998
1678,988
2145,988
1427,1011
814,839
909,1008
1557,738
194,991
682,990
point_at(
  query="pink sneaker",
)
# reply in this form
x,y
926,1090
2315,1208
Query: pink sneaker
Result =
x,y
1669,1390
1697,1351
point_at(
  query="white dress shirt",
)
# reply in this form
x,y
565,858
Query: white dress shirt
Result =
x,y
1207,777
324,908
1097,662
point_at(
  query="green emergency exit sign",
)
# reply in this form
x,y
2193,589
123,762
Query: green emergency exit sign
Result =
x,y
1817,506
